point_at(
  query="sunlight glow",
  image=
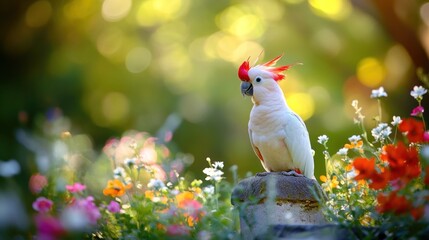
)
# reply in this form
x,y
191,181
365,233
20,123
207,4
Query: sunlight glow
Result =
x,y
241,22
371,72
153,12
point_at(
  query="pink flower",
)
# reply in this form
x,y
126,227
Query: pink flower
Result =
x,y
37,183
76,187
192,208
426,136
48,227
177,230
88,206
114,207
417,111
42,204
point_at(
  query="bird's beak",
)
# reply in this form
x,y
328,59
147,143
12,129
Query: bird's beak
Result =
x,y
246,88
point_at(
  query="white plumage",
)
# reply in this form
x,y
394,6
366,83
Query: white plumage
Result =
x,y
278,135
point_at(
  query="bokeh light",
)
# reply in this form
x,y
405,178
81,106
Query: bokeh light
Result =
x,y
424,13
335,9
371,72
138,59
241,22
115,10
38,14
115,107
302,104
153,12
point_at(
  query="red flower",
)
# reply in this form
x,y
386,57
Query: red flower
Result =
x,y
392,203
379,180
413,128
403,162
366,167
417,212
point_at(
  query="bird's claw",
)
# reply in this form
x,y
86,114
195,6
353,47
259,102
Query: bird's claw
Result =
x,y
292,173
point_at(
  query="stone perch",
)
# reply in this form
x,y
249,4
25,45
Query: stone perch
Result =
x,y
268,200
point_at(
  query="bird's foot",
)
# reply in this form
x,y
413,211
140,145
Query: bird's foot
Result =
x,y
292,173
262,174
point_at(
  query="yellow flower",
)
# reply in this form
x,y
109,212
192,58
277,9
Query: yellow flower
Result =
x,y
332,183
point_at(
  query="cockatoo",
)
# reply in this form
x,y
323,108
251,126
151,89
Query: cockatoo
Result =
x,y
278,135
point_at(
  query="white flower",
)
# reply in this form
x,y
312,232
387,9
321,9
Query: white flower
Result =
x,y
213,174
130,162
119,172
218,165
355,104
381,132
156,184
418,92
354,139
322,139
342,151
378,93
396,120
209,190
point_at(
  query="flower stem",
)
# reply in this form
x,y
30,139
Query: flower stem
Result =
x,y
379,111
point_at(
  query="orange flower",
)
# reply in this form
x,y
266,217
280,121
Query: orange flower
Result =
x,y
366,167
352,145
182,197
349,167
413,128
115,188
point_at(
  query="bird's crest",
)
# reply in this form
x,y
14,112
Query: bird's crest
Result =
x,y
277,72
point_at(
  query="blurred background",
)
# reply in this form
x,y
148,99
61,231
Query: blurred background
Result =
x,y
101,68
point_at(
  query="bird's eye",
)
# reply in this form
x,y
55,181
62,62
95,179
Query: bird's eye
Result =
x,y
258,79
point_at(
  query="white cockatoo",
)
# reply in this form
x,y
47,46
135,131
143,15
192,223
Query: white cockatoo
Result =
x,y
278,135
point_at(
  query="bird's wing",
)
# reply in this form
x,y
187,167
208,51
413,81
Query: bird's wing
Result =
x,y
298,143
255,149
